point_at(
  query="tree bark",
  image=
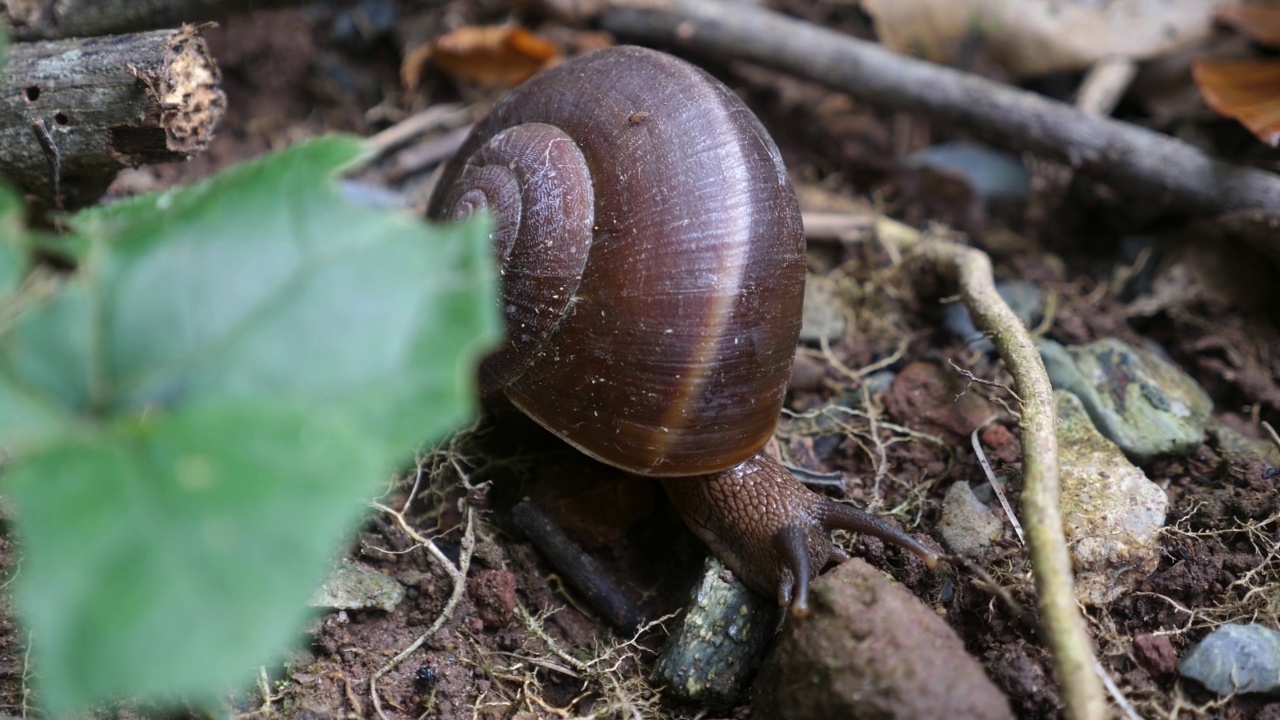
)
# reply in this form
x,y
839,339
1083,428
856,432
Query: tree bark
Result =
x,y
74,112
49,19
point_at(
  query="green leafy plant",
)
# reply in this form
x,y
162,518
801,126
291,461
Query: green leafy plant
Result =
x,y
192,420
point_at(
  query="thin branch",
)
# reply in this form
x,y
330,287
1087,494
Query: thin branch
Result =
x,y
1065,629
45,19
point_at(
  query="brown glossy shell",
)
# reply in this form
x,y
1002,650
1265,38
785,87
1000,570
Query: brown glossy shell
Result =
x,y
670,354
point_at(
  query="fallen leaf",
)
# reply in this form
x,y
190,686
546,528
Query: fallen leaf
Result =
x,y
1247,90
493,55
1035,37
1260,23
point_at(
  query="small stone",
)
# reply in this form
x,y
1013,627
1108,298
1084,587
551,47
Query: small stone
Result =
x,y
1111,512
494,595
992,174
933,399
1156,654
968,527
1236,659
870,649
1001,443
1238,448
354,586
1137,399
1024,298
716,645
824,309
879,382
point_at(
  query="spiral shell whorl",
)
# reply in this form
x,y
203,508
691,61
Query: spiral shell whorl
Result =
x,y
672,354
533,179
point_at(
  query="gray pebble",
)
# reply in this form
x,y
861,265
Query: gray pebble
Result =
x,y
1236,658
1140,401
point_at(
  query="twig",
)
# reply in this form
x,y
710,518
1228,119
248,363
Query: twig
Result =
x,y
995,483
26,676
847,227
857,375
457,573
968,375
1271,432
443,115
535,626
37,19
1137,162
264,689
580,568
1065,630
987,583
1114,691
1104,85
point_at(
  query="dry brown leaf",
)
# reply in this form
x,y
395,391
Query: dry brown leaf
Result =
x,y
1034,37
1260,23
1247,90
493,55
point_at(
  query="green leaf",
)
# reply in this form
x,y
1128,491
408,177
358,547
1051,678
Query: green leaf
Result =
x,y
24,419
167,556
246,359
12,240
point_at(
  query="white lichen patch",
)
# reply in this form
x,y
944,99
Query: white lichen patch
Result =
x,y
1112,513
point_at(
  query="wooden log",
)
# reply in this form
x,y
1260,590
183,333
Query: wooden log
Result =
x,y
49,19
1141,164
74,112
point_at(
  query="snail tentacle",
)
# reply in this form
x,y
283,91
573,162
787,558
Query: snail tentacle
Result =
x,y
791,547
839,516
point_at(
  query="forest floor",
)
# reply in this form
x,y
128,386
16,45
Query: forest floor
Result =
x,y
520,644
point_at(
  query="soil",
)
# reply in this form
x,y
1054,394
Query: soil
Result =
x,y
520,644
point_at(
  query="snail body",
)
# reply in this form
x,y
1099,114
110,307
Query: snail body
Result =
x,y
652,267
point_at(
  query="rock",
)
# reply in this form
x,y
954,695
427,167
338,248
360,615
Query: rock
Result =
x,y
718,642
1236,658
1237,448
932,399
1138,400
1111,512
993,174
879,382
353,586
1022,297
824,309
494,594
1001,443
968,526
1156,654
871,650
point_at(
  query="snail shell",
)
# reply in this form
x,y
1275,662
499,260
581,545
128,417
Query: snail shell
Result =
x,y
652,260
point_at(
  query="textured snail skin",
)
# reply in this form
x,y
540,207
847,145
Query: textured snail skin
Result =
x,y
652,263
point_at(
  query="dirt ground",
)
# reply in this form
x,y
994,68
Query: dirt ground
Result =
x,y
519,645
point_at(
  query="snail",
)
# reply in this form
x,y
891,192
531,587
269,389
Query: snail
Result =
x,y
652,266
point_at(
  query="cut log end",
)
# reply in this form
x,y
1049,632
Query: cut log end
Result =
x,y
186,102
190,95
